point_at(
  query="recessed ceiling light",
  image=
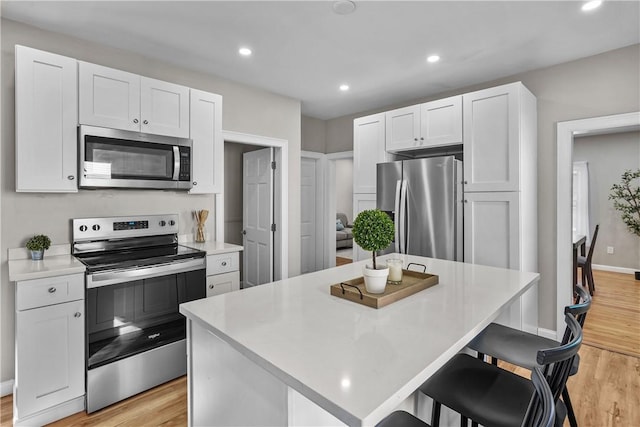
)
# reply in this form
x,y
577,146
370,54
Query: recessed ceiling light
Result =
x,y
343,7
244,51
591,5
433,58
344,87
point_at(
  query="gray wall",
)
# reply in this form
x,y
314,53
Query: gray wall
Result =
x,y
599,85
608,157
313,134
245,109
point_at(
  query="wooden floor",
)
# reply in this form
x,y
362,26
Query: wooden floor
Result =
x,y
342,261
605,392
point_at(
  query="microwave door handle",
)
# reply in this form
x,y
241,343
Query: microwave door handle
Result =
x,y
176,162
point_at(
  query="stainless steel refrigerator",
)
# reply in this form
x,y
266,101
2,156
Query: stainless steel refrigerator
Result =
x,y
424,199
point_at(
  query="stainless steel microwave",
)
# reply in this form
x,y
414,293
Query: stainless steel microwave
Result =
x,y
111,158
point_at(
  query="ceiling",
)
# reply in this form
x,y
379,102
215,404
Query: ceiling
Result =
x,y
302,49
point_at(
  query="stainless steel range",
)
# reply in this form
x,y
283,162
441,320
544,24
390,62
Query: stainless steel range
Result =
x,y
137,276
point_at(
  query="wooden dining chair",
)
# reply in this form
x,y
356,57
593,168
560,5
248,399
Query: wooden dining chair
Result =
x,y
585,263
491,396
520,348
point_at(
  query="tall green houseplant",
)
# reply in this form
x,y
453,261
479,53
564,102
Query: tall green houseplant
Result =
x,y
373,230
626,199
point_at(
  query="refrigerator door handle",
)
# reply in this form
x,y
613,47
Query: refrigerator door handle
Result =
x,y
403,217
396,220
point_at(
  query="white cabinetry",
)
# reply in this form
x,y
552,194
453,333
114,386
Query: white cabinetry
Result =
x,y
120,100
46,121
208,146
368,150
500,174
362,202
432,124
223,273
49,347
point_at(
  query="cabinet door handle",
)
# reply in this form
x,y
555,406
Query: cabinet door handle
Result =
x,y
77,314
224,263
195,182
466,201
71,177
135,120
146,122
422,138
52,290
465,182
415,139
211,286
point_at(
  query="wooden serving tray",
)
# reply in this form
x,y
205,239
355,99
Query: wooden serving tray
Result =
x,y
412,282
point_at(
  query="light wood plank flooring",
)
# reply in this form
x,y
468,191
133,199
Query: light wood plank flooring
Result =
x,y
342,261
604,392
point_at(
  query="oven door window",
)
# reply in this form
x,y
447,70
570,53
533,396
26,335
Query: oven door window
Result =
x,y
129,318
118,159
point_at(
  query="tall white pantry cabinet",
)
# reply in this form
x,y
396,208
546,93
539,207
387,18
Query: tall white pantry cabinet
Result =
x,y
499,143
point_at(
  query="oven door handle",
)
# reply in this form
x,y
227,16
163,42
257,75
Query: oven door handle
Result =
x,y
112,277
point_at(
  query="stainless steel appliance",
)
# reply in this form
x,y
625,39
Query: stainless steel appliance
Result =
x,y
424,198
137,275
124,159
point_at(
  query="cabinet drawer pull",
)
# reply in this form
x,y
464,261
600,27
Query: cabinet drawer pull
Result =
x,y
146,122
224,263
52,290
71,177
135,120
211,286
77,314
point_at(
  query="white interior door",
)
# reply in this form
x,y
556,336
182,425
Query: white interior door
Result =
x,y
257,218
308,215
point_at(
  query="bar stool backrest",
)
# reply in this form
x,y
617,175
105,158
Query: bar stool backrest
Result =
x,y
579,310
557,361
542,408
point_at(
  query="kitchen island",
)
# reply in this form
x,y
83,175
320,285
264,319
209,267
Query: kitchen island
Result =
x,y
289,353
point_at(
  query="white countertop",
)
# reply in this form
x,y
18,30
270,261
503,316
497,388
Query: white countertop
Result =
x,y
357,362
50,266
213,247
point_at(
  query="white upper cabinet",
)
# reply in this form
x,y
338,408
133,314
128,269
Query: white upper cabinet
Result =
x,y
432,124
208,146
46,121
116,99
368,151
499,124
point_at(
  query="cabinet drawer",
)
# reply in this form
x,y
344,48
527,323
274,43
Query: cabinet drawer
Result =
x,y
222,263
223,283
48,291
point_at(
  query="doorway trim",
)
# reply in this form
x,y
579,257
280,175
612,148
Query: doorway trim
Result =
x,y
320,160
281,197
565,132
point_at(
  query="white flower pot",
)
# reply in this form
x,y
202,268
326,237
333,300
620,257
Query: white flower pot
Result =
x,y
375,281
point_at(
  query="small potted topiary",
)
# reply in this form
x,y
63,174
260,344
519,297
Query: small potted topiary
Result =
x,y
373,230
37,245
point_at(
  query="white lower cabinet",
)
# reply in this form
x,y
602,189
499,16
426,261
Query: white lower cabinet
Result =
x,y
223,273
49,349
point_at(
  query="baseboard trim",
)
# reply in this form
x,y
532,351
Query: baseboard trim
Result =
x,y
50,415
614,269
548,333
6,388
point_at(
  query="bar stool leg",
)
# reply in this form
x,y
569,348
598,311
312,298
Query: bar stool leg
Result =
x,y
570,414
435,414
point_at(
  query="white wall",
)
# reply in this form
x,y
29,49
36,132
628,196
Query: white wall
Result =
x,y
245,109
608,157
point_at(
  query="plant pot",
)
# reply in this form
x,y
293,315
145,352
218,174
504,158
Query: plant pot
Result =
x,y
37,255
375,281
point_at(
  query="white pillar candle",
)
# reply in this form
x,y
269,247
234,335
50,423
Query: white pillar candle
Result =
x,y
395,270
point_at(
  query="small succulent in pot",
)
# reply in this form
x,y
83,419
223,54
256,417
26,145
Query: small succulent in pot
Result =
x,y
37,245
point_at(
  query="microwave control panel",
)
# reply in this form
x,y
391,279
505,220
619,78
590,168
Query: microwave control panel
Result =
x,y
185,164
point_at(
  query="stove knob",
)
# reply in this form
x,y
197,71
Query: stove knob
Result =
x,y
163,223
95,227
172,223
83,228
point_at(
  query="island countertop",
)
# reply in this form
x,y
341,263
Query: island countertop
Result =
x,y
357,362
